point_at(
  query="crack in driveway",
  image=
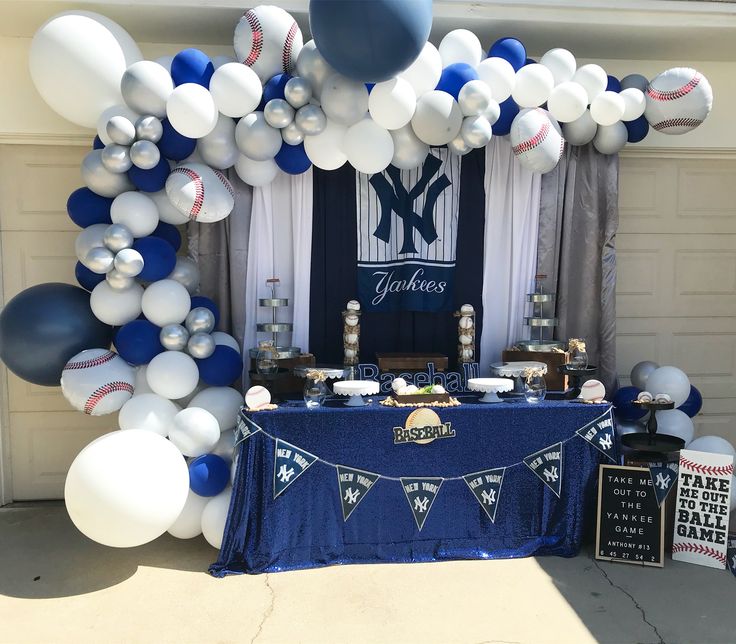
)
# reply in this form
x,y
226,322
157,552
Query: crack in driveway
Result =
x,y
269,609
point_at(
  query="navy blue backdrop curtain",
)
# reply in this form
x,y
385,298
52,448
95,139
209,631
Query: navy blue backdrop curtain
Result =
x,y
334,272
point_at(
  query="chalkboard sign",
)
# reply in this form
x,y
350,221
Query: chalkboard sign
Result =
x,y
630,525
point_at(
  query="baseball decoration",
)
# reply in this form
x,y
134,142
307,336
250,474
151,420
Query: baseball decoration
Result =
x,y
537,140
268,40
97,382
592,391
466,334
678,100
351,332
258,398
200,193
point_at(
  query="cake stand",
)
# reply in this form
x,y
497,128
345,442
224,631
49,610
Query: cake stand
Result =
x,y
330,372
651,441
515,370
490,387
355,390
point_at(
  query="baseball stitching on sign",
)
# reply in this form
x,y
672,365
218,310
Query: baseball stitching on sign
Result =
x,y
700,550
199,190
257,44
288,43
92,362
98,394
673,94
725,470
530,144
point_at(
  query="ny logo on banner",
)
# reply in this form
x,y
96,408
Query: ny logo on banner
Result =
x,y
600,434
486,487
547,465
663,476
354,485
289,464
421,493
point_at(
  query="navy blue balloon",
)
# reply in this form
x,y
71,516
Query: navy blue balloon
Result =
x,y
159,258
637,129
201,300
208,475
192,66
222,368
274,87
292,159
151,180
44,326
85,208
622,400
529,61
693,404
137,342
509,49
509,110
87,279
174,145
454,77
370,40
97,143
169,233
614,84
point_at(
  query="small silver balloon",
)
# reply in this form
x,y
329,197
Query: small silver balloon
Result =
x,y
120,130
174,337
292,135
129,262
149,128
458,146
99,260
186,272
310,119
117,237
200,320
201,345
145,155
118,281
116,158
298,91
278,113
476,131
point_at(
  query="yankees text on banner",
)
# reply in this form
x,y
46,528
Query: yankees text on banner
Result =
x,y
547,465
353,485
599,433
663,477
421,494
289,464
486,487
407,235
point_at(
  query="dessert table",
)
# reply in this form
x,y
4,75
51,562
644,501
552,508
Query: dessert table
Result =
x,y
291,514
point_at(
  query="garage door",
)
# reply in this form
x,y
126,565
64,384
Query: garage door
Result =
x,y
676,294
41,434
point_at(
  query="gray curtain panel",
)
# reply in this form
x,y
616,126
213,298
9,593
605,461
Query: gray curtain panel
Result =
x,y
578,220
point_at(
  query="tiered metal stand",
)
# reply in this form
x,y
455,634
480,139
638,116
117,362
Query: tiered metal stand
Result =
x,y
650,442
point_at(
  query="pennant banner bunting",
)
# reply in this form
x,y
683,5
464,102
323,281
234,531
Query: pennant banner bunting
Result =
x,y
486,487
421,494
245,429
547,465
600,434
290,463
663,476
354,485
731,555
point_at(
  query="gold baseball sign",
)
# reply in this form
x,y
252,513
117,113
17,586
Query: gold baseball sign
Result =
x,y
422,426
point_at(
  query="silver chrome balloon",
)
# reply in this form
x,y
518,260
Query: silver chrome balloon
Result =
x,y
117,237
118,281
174,337
116,158
186,272
474,98
120,130
476,131
278,113
99,260
200,320
129,262
100,180
458,146
298,91
310,119
292,135
201,345
149,128
145,155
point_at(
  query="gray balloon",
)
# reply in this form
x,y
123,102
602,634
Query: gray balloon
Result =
x,y
174,337
201,345
476,131
458,146
297,91
635,80
99,260
120,130
278,113
129,262
641,372
118,281
310,119
313,67
292,135
100,180
117,237
624,427
186,272
145,86
145,155
200,320
116,158
149,128
580,131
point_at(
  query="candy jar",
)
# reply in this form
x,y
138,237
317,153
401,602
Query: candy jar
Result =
x,y
578,354
267,358
315,389
535,388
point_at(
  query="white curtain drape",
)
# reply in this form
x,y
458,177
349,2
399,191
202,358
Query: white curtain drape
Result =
x,y
509,265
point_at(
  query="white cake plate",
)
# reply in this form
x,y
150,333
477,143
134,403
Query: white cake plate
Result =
x,y
515,370
490,387
355,390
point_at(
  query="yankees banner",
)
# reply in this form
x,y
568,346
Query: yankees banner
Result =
x,y
599,433
663,476
290,463
421,494
354,485
407,225
547,465
486,487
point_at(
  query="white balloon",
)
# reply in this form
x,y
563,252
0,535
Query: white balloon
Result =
x,y
476,131
672,381
148,411
185,400
226,339
675,423
97,382
493,111
561,63
191,110
634,103
437,119
458,146
424,73
499,75
460,46
256,139
146,87
236,89
223,403
136,211
368,146
409,151
580,131
712,445
536,124
189,523
311,65
77,59
194,431
533,85
392,103
172,375
167,211
218,148
88,238
214,518
344,100
166,302
474,98
256,173
125,489
567,102
141,383
100,180
116,307
225,446
610,139
593,78
107,115
325,150
607,108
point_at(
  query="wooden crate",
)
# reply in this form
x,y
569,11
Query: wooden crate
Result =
x,y
555,380
397,362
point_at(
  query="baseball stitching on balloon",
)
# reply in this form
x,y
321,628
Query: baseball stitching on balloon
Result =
x,y
256,45
91,362
198,190
98,394
725,470
677,122
673,94
700,550
530,144
288,44
225,182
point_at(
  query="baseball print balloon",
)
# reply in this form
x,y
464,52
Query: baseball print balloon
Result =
x,y
536,140
678,100
97,382
268,40
200,192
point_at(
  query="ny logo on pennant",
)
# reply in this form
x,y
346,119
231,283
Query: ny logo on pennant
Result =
x,y
354,485
663,476
421,493
600,434
547,465
486,488
290,463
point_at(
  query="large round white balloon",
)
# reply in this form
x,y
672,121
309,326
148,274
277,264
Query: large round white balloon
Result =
x,y
172,375
256,139
712,445
148,411
344,100
425,72
437,119
218,149
610,139
166,302
136,211
256,173
311,65
146,86
499,75
368,146
223,403
676,423
634,103
409,151
561,63
125,489
100,180
189,523
567,102
214,517
460,46
116,307
77,59
536,139
194,431
167,211
236,89
392,103
325,150
533,85
191,110
593,78
672,381
582,130
678,100
607,108
97,382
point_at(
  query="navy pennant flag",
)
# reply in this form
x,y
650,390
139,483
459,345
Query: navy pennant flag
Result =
x,y
289,464
407,235
486,487
547,465
245,428
663,476
600,434
731,554
354,485
421,494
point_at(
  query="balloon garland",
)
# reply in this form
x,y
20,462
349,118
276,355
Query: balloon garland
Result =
x,y
369,90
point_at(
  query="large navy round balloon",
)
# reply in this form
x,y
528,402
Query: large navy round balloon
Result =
x,y
192,66
693,404
208,475
637,129
509,110
292,159
511,50
44,326
137,342
159,258
454,77
174,145
85,208
151,180
222,368
370,40
622,403
201,300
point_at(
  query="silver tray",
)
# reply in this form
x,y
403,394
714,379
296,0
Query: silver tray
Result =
x,y
546,346
274,327
273,302
332,373
282,353
537,322
540,298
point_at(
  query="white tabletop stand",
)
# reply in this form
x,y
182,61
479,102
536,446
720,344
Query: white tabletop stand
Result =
x,y
491,387
515,370
355,390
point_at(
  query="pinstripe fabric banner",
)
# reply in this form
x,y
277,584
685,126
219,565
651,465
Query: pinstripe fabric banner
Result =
x,y
407,224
